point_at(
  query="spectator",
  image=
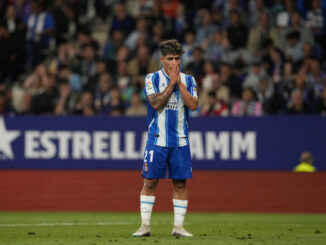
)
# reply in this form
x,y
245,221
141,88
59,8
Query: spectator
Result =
x,y
256,9
214,107
297,105
222,93
136,86
64,57
26,100
260,33
111,47
180,22
218,48
45,101
116,105
306,163
37,80
169,8
142,64
316,77
248,106
123,80
157,17
102,9
288,72
230,6
84,38
321,103
206,27
158,33
254,76
5,107
293,47
121,20
315,18
237,32
270,98
23,8
62,107
297,25
141,8
283,17
14,25
141,30
306,58
102,94
8,57
88,64
122,55
59,12
316,22
197,65
85,105
188,47
73,79
307,89
230,80
40,26
101,68
275,66
136,108
209,70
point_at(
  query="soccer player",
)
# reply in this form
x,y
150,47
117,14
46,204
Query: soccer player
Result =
x,y
170,95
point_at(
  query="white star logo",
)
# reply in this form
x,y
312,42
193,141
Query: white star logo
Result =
x,y
6,137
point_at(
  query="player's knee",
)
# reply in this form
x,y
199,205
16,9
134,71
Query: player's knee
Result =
x,y
179,185
150,185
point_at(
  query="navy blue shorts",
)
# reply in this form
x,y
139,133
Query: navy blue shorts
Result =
x,y
158,159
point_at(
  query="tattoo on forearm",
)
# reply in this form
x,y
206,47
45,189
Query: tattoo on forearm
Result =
x,y
158,100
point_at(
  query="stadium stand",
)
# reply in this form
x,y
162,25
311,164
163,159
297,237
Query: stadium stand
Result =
x,y
90,57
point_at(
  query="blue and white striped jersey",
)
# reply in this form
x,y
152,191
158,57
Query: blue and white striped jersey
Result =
x,y
168,126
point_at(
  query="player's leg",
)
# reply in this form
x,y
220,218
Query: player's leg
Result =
x,y
180,170
180,204
147,200
180,191
154,168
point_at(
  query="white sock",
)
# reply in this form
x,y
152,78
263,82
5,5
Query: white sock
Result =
x,y
146,206
180,209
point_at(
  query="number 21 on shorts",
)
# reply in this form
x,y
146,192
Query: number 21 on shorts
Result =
x,y
151,155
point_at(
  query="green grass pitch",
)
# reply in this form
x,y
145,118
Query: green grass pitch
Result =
x,y
96,228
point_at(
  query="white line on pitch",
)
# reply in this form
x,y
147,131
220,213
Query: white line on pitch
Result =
x,y
67,224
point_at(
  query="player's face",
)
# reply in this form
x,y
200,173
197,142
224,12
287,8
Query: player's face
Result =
x,y
170,60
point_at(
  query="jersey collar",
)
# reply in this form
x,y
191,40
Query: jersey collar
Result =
x,y
166,76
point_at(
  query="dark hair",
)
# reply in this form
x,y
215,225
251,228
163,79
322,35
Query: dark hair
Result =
x,y
307,157
212,94
171,47
293,35
235,11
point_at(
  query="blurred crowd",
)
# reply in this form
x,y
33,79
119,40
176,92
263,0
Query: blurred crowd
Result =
x,y
249,57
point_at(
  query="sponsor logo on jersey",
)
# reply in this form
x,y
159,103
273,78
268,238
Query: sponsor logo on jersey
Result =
x,y
149,84
172,103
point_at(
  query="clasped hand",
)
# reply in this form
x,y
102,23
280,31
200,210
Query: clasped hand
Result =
x,y
174,75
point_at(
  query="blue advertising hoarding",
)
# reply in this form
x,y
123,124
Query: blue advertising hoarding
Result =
x,y
266,143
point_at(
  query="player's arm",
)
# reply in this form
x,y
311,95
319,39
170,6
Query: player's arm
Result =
x,y
159,100
190,101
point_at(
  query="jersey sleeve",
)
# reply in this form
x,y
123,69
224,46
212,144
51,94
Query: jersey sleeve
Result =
x,y
149,85
193,90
